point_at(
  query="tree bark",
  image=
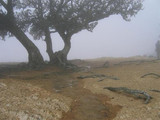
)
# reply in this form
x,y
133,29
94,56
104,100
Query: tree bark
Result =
x,y
67,47
60,57
49,49
34,56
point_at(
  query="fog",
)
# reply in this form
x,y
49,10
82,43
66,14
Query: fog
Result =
x,y
112,37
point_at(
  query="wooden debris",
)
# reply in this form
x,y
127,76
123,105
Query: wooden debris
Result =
x,y
136,93
154,74
91,76
98,76
155,90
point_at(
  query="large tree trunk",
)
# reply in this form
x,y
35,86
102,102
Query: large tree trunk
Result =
x,y
34,56
49,49
67,47
61,56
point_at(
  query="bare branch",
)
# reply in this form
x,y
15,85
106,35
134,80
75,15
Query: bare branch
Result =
x,y
3,4
53,31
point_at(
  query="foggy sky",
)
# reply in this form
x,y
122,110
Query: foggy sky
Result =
x,y
112,37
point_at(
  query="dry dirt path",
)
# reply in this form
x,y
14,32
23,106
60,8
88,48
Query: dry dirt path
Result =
x,y
57,93
64,85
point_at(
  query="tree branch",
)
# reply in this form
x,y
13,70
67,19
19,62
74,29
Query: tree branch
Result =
x,y
3,4
53,31
155,90
98,76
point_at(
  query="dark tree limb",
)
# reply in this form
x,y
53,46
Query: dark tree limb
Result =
x,y
157,75
155,90
131,92
3,4
53,31
91,76
98,76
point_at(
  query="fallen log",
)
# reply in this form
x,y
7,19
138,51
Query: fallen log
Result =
x,y
135,93
154,74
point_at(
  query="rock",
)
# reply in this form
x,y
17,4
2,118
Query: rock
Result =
x,y
22,115
2,85
159,115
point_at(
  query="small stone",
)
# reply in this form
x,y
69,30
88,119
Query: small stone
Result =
x,y
148,108
112,97
8,105
35,97
149,118
2,85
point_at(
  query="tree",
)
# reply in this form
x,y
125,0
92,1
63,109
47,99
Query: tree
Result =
x,y
158,49
11,23
40,27
71,16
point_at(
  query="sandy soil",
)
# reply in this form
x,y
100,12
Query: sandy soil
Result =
x,y
129,74
57,94
21,101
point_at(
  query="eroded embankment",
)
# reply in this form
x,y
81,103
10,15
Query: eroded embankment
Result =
x,y
85,105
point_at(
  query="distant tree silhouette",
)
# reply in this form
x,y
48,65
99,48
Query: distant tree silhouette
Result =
x,y
158,49
12,23
71,16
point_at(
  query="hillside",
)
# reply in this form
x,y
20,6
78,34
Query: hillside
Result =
x,y
53,93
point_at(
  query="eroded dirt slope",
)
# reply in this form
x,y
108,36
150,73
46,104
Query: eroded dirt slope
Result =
x,y
57,94
130,75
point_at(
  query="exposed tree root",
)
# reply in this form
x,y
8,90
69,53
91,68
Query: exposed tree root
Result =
x,y
155,90
135,93
137,62
98,76
154,74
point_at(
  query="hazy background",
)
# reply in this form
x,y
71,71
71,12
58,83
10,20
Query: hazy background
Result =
x,y
113,37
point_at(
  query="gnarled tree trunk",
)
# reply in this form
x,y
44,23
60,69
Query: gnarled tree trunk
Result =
x,y
49,49
60,57
34,56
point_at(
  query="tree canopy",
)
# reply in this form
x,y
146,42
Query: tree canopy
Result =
x,y
71,16
42,17
12,23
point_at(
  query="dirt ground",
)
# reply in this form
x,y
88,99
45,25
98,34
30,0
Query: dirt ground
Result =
x,y
57,94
